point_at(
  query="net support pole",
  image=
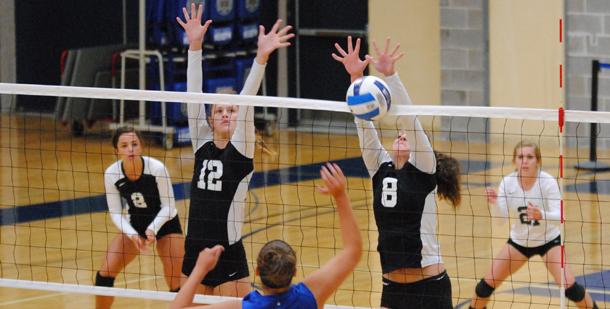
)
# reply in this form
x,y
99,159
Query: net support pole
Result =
x,y
593,164
562,285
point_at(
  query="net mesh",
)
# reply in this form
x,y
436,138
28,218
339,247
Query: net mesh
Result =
x,y
55,226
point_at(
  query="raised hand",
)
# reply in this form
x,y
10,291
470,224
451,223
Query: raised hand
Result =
x,y
351,59
269,42
334,180
192,26
208,258
492,195
384,61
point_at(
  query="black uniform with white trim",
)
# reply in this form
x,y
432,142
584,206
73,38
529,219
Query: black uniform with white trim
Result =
x,y
220,182
149,200
400,199
405,210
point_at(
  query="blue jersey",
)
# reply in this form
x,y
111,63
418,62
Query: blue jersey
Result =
x,y
297,297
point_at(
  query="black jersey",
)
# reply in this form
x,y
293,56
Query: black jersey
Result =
x,y
404,200
218,192
221,176
399,203
145,197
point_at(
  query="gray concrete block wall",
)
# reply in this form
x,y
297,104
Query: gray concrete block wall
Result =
x,y
587,37
463,74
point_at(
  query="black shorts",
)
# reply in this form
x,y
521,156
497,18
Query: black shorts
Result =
x,y
170,227
430,293
540,250
232,265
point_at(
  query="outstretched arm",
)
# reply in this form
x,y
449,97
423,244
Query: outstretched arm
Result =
x,y
422,155
244,137
372,150
197,119
206,261
326,280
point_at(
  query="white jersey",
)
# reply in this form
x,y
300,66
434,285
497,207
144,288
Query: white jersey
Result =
x,y
512,204
404,200
149,200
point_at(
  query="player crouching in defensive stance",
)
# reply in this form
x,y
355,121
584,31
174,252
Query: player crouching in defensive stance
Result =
x,y
530,199
143,184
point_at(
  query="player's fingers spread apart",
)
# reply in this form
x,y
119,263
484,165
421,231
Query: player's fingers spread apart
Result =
x,y
322,189
357,48
340,50
332,168
276,26
395,49
375,48
350,47
286,37
339,170
193,12
324,174
398,57
199,11
186,15
387,45
285,30
180,22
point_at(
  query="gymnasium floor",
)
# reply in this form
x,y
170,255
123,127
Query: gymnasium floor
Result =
x,y
54,225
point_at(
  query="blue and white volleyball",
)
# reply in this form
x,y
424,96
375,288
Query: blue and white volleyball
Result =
x,y
369,98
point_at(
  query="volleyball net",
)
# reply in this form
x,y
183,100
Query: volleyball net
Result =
x,y
55,227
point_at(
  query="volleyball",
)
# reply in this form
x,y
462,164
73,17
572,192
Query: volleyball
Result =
x,y
369,98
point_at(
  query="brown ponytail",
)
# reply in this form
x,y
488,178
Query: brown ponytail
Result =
x,y
448,178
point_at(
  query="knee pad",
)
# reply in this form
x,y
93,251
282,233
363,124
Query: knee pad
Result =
x,y
575,293
483,290
103,281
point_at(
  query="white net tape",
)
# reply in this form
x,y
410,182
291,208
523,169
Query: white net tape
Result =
x,y
263,101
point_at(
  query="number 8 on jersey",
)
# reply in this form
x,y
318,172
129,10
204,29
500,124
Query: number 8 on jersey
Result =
x,y
389,194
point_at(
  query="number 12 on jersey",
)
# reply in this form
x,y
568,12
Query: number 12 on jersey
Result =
x,y
213,169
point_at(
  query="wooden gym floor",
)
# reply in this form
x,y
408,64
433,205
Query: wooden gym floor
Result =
x,y
53,226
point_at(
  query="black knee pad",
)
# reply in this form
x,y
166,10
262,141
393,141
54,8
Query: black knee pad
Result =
x,y
483,290
576,292
103,281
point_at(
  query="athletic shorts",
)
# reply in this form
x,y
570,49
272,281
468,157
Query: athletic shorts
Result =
x,y
429,293
232,265
170,227
540,250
